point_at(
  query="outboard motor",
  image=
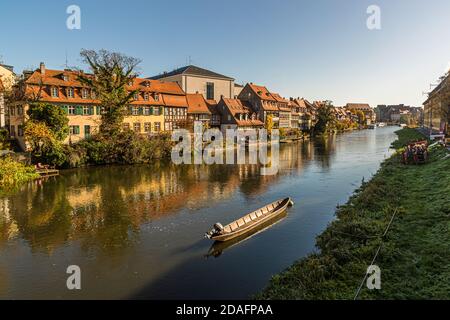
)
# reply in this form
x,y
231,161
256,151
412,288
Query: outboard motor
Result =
x,y
218,229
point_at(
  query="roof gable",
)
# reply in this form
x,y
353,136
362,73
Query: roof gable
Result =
x,y
194,71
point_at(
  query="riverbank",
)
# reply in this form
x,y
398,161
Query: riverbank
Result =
x,y
414,258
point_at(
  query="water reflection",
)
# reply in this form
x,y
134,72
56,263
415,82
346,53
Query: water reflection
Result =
x,y
144,224
104,207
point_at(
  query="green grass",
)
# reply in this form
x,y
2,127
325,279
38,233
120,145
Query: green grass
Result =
x,y
415,255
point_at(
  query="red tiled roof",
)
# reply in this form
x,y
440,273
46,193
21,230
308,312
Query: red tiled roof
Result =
x,y
262,92
197,104
169,93
236,106
175,101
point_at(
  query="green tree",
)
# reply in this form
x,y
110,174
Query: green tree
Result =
x,y
112,72
325,118
54,117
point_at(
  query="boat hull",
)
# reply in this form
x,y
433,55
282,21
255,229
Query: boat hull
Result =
x,y
279,207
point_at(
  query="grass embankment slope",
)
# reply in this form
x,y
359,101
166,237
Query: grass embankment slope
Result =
x,y
415,255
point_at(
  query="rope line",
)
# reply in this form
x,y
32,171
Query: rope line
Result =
x,y
376,254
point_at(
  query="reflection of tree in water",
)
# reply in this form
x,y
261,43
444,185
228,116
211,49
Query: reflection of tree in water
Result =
x,y
42,214
104,207
325,148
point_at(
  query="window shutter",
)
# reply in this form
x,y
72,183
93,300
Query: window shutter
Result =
x,y
97,110
91,111
140,111
66,109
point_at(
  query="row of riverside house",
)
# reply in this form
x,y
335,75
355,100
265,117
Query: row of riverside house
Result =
x,y
165,103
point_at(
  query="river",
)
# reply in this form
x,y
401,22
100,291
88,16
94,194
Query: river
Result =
x,y
137,231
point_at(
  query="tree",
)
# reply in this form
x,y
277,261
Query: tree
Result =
x,y
361,117
325,118
269,123
45,147
112,72
54,117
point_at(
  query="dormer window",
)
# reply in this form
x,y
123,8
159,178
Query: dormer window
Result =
x,y
146,96
84,93
93,95
65,77
70,92
136,96
156,97
147,84
130,83
54,92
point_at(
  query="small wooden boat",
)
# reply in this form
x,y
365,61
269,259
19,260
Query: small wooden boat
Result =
x,y
218,247
248,222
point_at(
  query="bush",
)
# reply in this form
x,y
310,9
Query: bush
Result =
x,y
13,173
125,147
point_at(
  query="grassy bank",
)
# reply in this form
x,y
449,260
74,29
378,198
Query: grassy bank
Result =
x,y
415,254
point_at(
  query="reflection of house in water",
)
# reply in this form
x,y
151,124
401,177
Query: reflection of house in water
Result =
x,y
104,207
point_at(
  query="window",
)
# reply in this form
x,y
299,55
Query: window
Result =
x,y
209,90
20,131
19,110
54,92
156,97
65,77
156,111
12,110
12,131
136,96
74,130
87,131
71,110
70,92
147,126
84,93
86,110
134,111
157,126
137,127
126,126
147,111
146,96
93,95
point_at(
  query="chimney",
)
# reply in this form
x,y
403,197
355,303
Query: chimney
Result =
x,y
42,68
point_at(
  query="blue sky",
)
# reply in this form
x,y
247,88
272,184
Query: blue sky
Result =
x,y
316,49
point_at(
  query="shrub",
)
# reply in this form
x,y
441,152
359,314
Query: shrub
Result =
x,y
13,173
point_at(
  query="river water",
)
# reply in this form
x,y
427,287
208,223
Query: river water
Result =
x,y
137,231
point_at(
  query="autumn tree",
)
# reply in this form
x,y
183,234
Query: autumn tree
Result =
x,y
111,74
53,116
325,118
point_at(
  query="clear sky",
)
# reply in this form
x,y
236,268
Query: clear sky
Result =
x,y
315,49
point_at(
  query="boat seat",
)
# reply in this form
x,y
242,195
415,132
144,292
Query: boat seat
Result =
x,y
247,219
259,213
253,216
227,229
240,222
234,226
